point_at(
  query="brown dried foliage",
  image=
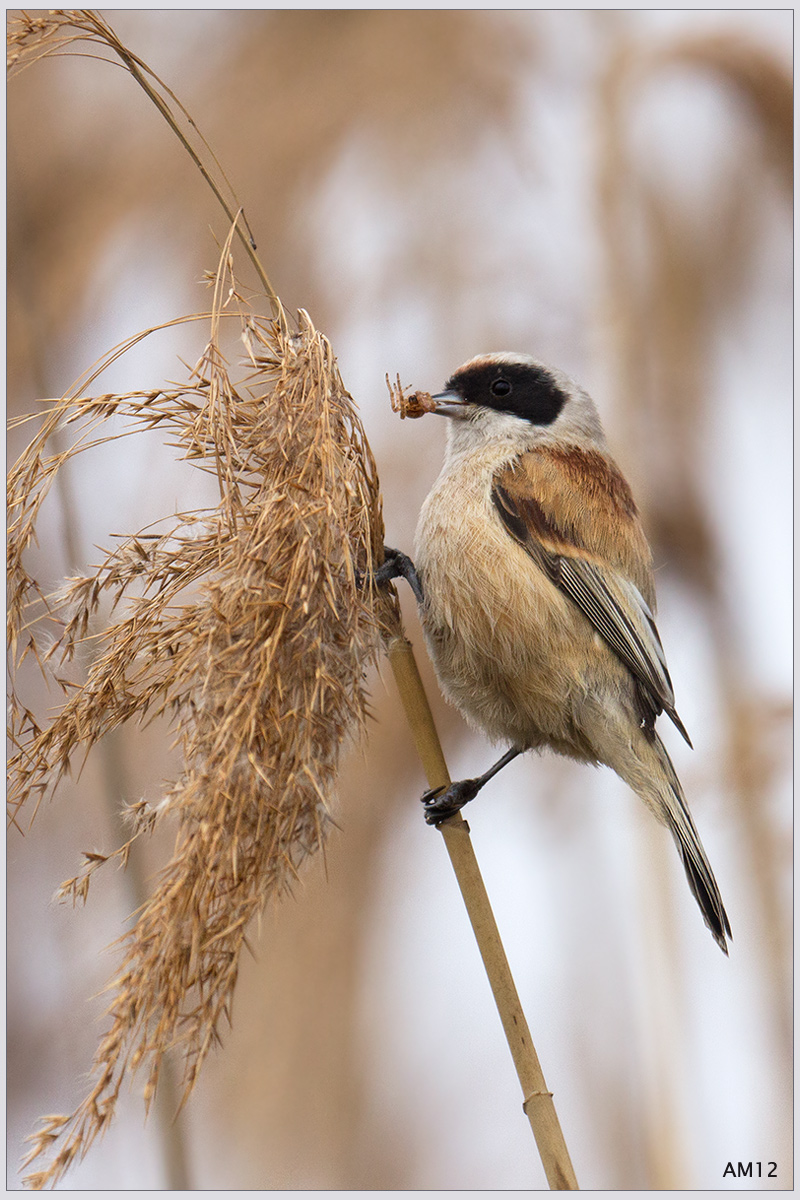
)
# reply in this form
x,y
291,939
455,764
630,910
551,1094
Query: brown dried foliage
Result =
x,y
249,627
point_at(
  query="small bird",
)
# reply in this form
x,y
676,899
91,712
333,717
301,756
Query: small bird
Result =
x,y
537,594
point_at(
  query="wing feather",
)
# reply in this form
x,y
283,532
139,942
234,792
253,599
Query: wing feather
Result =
x,y
612,603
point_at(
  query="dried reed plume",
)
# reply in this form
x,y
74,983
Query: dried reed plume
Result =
x,y
248,626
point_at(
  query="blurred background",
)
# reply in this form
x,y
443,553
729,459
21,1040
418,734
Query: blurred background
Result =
x,y
610,191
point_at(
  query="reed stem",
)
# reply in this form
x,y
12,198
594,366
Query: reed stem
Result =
x,y
538,1101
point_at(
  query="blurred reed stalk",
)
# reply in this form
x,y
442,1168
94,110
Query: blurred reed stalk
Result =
x,y
666,288
249,625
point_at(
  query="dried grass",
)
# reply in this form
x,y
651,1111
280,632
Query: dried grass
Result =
x,y
247,626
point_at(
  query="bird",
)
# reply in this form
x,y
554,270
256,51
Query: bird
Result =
x,y
537,599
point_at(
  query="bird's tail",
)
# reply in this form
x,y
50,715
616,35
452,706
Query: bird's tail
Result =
x,y
663,794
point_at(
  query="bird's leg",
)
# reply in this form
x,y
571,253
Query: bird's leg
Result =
x,y
440,803
394,565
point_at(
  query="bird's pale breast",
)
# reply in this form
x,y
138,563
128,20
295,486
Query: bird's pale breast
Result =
x,y
509,649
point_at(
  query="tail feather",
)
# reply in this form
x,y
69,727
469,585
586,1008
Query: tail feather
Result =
x,y
651,774
704,886
701,879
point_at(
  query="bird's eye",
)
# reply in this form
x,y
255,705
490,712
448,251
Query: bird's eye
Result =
x,y
500,387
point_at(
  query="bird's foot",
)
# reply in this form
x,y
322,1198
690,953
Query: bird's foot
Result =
x,y
395,565
441,803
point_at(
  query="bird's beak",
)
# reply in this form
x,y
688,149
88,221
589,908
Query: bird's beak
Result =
x,y
450,404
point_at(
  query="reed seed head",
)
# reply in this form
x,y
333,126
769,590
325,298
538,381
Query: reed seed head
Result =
x,y
251,626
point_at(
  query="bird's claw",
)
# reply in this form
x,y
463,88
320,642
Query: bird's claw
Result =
x,y
394,566
441,803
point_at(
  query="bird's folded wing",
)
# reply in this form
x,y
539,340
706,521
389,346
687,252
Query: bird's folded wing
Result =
x,y
612,604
